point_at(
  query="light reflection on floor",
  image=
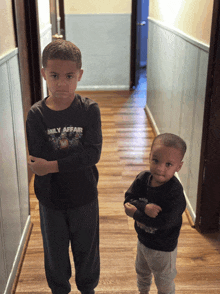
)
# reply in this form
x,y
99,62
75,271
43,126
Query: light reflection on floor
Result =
x,y
140,93
136,146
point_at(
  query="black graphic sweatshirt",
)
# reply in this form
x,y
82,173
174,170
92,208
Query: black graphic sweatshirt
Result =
x,y
72,137
160,233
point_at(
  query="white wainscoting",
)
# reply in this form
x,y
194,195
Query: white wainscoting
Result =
x,y
176,78
14,194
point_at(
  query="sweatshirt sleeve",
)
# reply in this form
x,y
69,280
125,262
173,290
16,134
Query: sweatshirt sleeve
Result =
x,y
133,194
168,218
90,151
37,139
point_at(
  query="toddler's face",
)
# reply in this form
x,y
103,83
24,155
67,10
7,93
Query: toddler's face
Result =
x,y
62,77
164,162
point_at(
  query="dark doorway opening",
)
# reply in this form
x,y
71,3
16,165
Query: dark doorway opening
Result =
x,y
25,14
57,17
139,35
27,38
208,201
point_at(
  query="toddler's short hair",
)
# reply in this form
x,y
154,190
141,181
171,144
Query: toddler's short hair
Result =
x,y
64,50
171,140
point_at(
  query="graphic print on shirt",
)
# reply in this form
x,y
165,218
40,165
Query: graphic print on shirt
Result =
x,y
149,230
66,137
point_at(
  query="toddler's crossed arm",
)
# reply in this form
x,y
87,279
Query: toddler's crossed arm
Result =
x,y
151,209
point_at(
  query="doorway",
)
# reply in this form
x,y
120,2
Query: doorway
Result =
x,y
57,19
208,200
139,36
27,40
25,15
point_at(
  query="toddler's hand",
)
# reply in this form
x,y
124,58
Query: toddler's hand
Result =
x,y
152,210
129,209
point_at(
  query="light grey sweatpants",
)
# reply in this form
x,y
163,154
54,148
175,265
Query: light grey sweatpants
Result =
x,y
158,263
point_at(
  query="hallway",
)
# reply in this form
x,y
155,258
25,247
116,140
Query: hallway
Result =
x,y
127,137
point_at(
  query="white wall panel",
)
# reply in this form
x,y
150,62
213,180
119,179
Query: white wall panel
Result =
x,y
19,138
14,198
176,74
178,84
188,102
8,174
3,271
196,133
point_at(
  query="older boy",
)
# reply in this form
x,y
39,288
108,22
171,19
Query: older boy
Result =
x,y
156,202
64,140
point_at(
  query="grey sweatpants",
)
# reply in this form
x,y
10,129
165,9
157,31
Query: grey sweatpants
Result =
x,y
158,263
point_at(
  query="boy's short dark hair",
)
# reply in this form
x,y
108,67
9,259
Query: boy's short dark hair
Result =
x,y
171,140
64,50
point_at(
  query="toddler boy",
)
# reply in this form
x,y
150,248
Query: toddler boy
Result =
x,y
64,141
156,202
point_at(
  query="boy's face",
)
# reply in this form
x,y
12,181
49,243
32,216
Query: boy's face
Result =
x,y
62,77
164,162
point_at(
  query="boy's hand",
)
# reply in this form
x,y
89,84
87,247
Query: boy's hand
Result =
x,y
129,209
152,210
39,166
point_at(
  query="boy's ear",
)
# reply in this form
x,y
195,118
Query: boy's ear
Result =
x,y
80,74
43,73
181,164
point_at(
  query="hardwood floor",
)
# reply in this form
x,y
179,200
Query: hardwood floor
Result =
x,y
127,138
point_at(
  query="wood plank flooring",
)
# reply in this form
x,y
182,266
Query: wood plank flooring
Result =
x,y
127,138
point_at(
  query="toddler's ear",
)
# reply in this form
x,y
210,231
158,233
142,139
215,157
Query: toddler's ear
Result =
x,y
181,164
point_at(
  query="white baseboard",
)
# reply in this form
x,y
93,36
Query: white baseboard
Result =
x,y
153,123
103,88
14,269
156,130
